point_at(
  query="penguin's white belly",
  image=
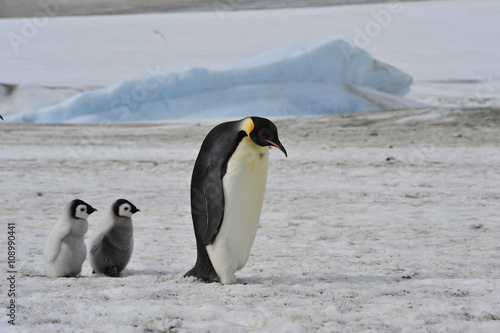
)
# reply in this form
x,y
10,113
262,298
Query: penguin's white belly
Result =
x,y
244,187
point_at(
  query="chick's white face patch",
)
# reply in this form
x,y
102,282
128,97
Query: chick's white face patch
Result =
x,y
125,210
81,212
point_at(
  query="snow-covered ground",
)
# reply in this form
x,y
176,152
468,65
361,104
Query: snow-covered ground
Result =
x,y
384,221
450,48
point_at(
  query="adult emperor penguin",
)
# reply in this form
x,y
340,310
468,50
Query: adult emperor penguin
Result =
x,y
65,251
227,191
113,242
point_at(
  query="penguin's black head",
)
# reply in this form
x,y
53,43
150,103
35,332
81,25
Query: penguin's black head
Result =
x,y
124,208
263,132
80,209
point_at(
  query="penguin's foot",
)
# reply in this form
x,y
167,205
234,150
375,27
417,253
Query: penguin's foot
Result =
x,y
111,272
207,277
71,275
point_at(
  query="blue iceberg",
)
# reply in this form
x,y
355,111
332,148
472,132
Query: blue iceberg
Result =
x,y
306,79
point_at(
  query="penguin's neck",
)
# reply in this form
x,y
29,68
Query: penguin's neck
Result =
x,y
79,227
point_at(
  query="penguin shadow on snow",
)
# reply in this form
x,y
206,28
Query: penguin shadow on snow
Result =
x,y
338,278
147,272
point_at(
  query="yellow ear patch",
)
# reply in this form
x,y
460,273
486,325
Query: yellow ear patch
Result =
x,y
247,125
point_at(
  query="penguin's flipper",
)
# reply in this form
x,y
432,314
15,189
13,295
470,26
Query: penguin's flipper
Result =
x,y
97,240
214,203
207,208
54,240
207,204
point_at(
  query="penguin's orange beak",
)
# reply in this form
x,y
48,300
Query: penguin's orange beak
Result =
x,y
279,146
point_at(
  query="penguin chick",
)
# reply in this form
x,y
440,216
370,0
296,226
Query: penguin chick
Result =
x,y
113,242
65,251
227,192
